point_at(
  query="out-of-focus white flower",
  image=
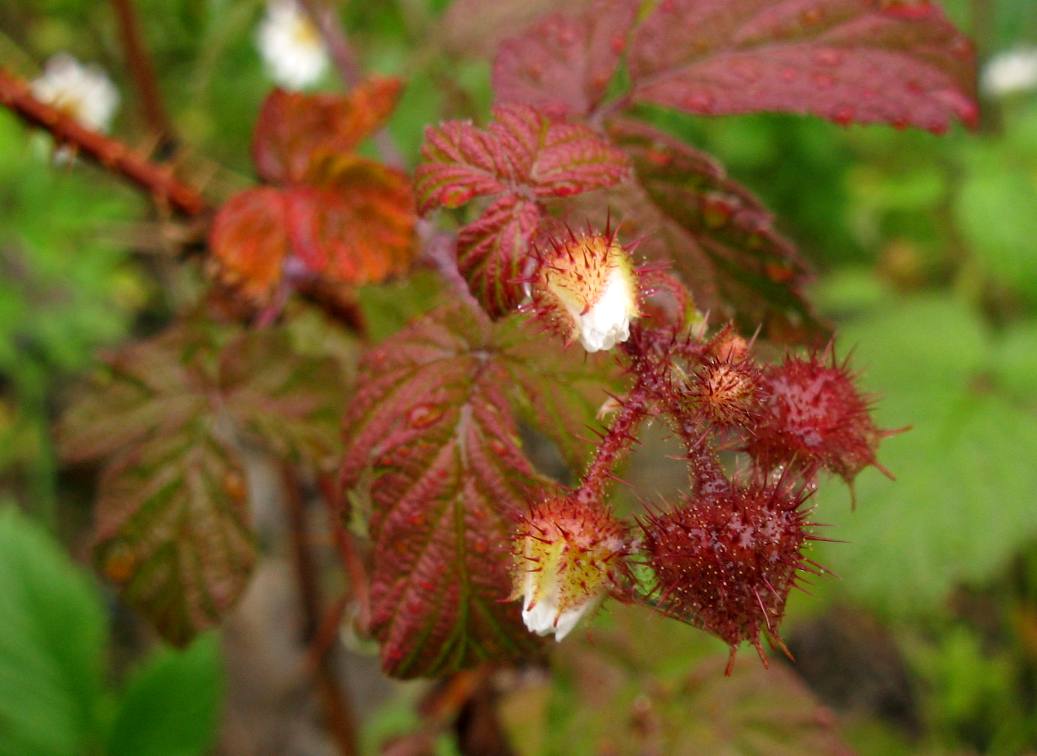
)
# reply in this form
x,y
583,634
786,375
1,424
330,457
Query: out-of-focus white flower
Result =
x,y
1011,72
586,289
84,92
569,554
291,45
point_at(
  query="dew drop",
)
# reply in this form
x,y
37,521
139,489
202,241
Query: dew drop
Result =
x,y
424,415
828,57
789,74
824,81
699,102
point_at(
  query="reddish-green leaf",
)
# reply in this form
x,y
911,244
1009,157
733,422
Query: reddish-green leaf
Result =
x,y
168,418
433,422
296,130
491,251
557,390
521,149
250,242
172,528
292,404
563,63
854,61
755,271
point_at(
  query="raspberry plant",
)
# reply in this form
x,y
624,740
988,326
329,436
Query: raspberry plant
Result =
x,y
595,272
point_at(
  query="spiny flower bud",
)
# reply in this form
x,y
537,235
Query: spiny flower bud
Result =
x,y
727,390
814,418
569,554
585,288
726,562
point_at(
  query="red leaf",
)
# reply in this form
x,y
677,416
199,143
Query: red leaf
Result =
x,y
433,422
249,240
860,61
491,250
295,130
356,225
564,63
521,150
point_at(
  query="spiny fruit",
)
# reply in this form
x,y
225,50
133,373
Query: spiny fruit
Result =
x,y
727,390
725,562
585,288
569,553
816,418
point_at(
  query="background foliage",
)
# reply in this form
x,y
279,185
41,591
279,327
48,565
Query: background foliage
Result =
x,y
925,248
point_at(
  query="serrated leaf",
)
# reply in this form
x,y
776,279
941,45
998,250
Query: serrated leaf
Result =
x,y
297,130
859,61
434,424
170,706
355,223
962,504
293,405
520,148
491,251
642,684
716,234
475,26
172,524
51,645
559,391
249,238
564,62
172,529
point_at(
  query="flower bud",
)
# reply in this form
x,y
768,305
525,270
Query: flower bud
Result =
x,y
569,554
586,289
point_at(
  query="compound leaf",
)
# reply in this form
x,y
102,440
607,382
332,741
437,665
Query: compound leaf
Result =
x,y
433,423
853,61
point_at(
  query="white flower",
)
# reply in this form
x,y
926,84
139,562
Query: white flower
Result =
x,y
608,322
569,555
291,45
542,611
586,289
83,92
1011,72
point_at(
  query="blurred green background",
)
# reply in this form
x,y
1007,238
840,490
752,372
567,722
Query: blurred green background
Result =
x,y
926,251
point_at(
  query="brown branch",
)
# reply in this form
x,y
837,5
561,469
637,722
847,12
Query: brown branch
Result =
x,y
337,707
139,62
157,180
346,545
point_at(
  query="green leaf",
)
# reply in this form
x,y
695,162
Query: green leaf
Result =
x,y
51,641
962,503
670,677
171,703
559,391
997,211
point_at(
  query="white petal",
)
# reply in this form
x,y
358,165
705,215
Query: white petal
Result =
x,y
291,48
1011,72
608,322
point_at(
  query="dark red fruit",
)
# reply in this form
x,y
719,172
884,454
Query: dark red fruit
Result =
x,y
725,563
814,418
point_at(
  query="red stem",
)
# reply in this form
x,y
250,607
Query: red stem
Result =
x,y
139,62
617,443
157,180
337,707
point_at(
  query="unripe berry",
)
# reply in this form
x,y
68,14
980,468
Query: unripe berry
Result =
x,y
815,418
726,562
569,554
727,390
585,288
